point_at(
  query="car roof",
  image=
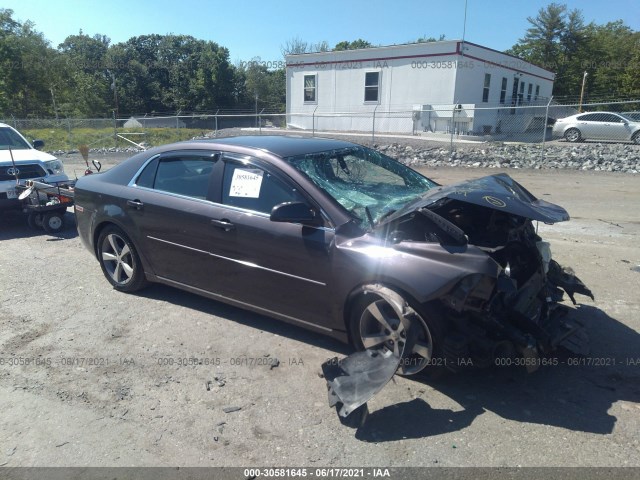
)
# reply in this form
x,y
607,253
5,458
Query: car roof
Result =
x,y
283,146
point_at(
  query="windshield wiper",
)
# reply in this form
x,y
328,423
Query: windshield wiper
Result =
x,y
369,217
387,214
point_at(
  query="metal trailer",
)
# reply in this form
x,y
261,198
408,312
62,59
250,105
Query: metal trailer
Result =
x,y
46,203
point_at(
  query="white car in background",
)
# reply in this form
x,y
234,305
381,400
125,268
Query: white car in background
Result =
x,y
608,126
21,161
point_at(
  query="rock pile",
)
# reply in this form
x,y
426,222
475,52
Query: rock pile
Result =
x,y
592,156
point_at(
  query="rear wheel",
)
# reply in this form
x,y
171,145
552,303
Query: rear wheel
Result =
x,y
35,220
120,261
53,222
636,138
376,324
572,135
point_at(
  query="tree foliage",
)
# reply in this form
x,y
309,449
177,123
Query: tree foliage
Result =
x,y
89,76
354,45
559,41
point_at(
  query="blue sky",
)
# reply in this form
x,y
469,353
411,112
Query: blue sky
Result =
x,y
259,27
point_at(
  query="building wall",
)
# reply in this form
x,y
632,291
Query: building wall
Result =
x,y
438,73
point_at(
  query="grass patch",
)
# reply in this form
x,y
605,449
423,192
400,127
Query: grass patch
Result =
x,y
63,139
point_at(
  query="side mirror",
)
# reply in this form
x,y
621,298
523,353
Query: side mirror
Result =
x,y
294,212
38,144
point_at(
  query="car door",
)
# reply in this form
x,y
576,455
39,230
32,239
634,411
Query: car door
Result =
x,y
617,127
280,267
589,125
169,204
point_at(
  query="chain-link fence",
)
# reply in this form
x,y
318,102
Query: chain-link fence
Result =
x,y
448,125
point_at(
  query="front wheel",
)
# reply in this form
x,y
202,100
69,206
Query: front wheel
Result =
x,y
376,324
53,222
572,135
636,138
120,261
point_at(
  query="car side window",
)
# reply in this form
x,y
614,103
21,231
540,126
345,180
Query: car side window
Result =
x,y
589,117
148,175
611,118
252,188
184,175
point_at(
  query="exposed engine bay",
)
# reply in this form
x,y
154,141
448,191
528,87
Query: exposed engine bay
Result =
x,y
520,314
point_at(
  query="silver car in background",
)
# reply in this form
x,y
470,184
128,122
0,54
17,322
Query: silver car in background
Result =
x,y
606,126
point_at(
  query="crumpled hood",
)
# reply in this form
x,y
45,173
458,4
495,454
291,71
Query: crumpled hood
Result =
x,y
25,155
498,192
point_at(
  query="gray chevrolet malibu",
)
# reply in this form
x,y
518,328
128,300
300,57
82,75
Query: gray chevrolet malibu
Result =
x,y
342,240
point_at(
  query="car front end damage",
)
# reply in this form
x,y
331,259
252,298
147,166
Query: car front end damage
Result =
x,y
501,310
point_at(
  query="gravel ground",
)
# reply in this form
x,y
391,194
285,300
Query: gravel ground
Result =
x,y
93,377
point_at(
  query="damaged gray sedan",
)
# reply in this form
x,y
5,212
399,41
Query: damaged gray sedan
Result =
x,y
340,239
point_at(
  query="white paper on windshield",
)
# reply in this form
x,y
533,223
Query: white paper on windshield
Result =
x,y
246,183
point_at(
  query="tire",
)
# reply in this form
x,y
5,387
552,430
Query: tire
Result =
x,y
120,261
52,222
368,330
573,135
636,138
34,220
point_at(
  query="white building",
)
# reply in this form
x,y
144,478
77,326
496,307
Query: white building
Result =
x,y
452,85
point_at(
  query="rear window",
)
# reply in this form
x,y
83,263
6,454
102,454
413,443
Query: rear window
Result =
x,y
183,175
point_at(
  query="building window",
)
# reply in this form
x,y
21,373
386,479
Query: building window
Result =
x,y
529,91
537,91
371,86
309,88
521,94
503,90
485,90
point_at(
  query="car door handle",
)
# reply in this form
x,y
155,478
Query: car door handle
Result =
x,y
224,224
137,204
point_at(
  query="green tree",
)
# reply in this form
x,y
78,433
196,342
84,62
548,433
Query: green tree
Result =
x,y
354,45
25,68
296,45
558,40
425,39
87,91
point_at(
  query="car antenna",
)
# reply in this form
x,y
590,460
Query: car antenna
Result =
x,y
15,169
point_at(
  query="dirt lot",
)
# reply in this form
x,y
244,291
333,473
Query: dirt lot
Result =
x,y
93,377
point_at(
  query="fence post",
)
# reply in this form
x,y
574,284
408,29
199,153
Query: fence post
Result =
x,y
313,122
260,121
373,125
69,141
115,130
453,125
216,117
544,131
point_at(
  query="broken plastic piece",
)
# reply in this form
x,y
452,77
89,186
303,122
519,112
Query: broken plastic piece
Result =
x,y
354,380
567,280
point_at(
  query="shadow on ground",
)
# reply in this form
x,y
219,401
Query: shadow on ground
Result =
x,y
575,394
244,317
14,225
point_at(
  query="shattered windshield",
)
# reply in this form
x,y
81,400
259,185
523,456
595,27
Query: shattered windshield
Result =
x,y
365,182
9,139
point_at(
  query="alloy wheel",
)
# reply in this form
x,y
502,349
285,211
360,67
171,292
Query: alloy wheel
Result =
x,y
117,259
381,328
